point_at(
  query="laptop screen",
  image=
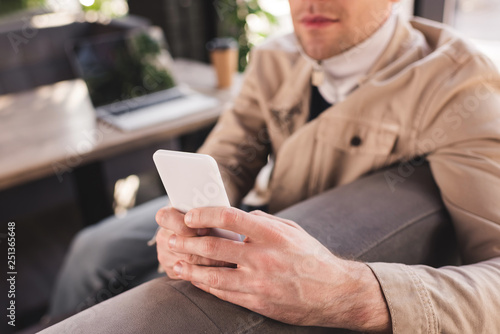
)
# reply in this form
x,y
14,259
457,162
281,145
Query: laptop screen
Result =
x,y
118,67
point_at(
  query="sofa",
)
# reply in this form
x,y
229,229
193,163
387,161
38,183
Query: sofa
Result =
x,y
370,220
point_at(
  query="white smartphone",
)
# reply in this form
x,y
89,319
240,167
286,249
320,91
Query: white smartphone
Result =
x,y
192,181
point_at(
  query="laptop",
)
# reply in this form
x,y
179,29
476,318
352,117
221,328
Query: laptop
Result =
x,y
130,79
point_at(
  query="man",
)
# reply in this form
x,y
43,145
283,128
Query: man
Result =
x,y
392,92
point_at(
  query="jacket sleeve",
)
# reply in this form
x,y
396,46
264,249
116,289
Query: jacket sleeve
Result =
x,y
239,142
461,136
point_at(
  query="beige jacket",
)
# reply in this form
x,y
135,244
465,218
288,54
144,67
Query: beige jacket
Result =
x,y
430,93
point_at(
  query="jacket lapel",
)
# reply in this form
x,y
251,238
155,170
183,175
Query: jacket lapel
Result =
x,y
290,106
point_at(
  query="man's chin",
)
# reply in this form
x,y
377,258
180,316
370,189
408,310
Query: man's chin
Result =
x,y
321,47
321,53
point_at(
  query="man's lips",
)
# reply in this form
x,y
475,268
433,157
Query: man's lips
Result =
x,y
317,21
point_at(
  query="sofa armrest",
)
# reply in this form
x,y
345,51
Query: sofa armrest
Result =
x,y
363,220
369,221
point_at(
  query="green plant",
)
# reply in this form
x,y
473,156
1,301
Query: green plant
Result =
x,y
95,5
232,22
106,8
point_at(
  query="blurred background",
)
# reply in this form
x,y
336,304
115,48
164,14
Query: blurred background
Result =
x,y
189,24
48,209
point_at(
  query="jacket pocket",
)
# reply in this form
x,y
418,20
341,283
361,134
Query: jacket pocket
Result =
x,y
347,148
359,137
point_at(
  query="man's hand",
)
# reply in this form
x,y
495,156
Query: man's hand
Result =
x,y
171,222
282,272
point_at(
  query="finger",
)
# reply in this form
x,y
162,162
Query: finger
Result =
x,y
283,220
166,265
220,278
168,261
170,273
214,248
202,261
231,219
168,257
173,220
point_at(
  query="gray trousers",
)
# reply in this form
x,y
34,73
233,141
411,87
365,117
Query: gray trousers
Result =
x,y
106,259
371,219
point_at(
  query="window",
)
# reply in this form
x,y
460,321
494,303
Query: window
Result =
x,y
259,28
479,21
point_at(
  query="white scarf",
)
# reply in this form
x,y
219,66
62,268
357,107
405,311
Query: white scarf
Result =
x,y
339,75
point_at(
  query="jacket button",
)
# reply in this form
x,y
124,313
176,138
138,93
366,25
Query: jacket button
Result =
x,y
355,141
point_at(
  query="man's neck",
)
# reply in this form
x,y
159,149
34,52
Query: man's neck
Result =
x,y
337,76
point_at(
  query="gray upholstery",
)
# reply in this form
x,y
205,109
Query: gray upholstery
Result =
x,y
363,220
366,220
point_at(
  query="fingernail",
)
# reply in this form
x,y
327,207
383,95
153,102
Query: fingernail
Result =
x,y
188,218
172,241
178,269
202,231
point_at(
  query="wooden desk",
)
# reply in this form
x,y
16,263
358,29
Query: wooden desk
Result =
x,y
53,129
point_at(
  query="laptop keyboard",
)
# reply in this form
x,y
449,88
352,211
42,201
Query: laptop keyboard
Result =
x,y
162,112
139,103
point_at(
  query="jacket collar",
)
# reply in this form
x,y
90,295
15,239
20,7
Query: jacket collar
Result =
x,y
400,43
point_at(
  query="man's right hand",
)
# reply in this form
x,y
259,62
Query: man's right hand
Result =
x,y
171,222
